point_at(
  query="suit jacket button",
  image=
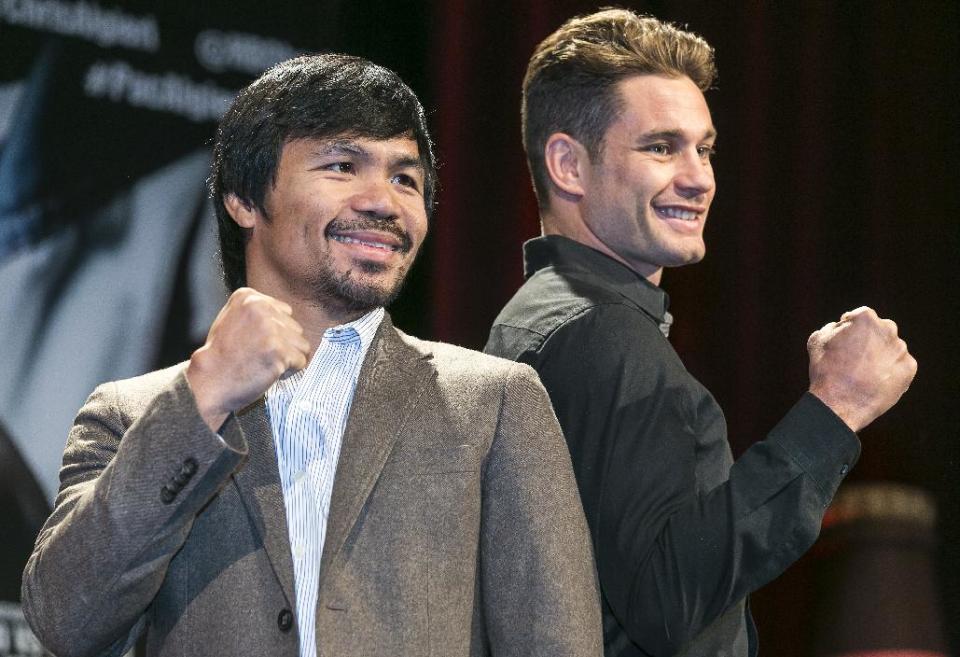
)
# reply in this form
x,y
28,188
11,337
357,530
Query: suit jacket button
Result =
x,y
167,495
285,620
189,467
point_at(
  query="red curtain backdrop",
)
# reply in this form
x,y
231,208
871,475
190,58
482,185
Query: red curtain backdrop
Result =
x,y
836,188
487,207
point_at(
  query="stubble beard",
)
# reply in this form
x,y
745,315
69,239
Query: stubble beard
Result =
x,y
350,293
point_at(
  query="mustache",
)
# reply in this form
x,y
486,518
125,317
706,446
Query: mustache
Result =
x,y
382,224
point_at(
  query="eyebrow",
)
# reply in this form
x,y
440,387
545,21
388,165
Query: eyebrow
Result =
x,y
711,133
340,147
350,147
407,162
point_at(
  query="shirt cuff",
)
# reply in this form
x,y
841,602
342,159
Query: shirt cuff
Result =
x,y
819,442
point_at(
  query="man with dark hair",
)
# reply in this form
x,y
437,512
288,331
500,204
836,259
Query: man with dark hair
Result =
x,y
246,153
313,481
619,142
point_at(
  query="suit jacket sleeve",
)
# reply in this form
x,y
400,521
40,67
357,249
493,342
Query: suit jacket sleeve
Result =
x,y
671,558
536,568
137,468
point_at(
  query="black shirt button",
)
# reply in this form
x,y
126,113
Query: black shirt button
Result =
x,y
845,469
285,620
167,495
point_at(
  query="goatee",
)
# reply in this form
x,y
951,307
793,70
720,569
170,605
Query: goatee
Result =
x,y
351,293
350,290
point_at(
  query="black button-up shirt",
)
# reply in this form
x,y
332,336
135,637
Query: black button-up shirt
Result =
x,y
681,534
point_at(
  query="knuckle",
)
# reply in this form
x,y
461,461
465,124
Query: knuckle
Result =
x,y
253,298
247,307
863,313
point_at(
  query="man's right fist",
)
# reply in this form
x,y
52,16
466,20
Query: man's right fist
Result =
x,y
859,367
253,341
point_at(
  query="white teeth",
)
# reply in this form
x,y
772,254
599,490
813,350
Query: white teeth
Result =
x,y
376,245
677,213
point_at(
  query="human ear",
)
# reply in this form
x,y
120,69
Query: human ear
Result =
x,y
565,158
243,212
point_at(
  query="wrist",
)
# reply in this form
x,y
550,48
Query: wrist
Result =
x,y
211,409
849,412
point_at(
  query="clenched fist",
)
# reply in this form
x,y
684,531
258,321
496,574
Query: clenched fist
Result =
x,y
252,343
859,367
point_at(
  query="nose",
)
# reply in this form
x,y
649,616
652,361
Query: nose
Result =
x,y
694,176
375,198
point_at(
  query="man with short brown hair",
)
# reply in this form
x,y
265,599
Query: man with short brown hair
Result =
x,y
619,140
571,80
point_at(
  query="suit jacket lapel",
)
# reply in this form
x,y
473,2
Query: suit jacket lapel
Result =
x,y
262,494
391,381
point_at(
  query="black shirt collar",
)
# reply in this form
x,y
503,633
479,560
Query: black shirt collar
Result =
x,y
566,254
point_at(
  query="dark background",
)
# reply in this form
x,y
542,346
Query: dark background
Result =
x,y
838,142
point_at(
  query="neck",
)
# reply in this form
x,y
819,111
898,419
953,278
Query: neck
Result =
x,y
570,224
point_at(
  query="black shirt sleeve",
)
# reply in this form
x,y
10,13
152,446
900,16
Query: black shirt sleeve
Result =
x,y
673,555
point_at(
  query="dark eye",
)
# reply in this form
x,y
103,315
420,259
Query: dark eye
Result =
x,y
340,167
706,152
406,181
658,149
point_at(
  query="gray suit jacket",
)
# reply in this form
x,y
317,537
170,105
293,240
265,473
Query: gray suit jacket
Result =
x,y
455,526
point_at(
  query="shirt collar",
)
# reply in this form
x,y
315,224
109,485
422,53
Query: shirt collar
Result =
x,y
566,254
364,327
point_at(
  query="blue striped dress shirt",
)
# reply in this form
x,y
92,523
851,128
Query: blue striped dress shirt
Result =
x,y
308,414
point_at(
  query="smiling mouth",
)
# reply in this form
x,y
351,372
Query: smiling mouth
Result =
x,y
385,236
345,239
670,212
